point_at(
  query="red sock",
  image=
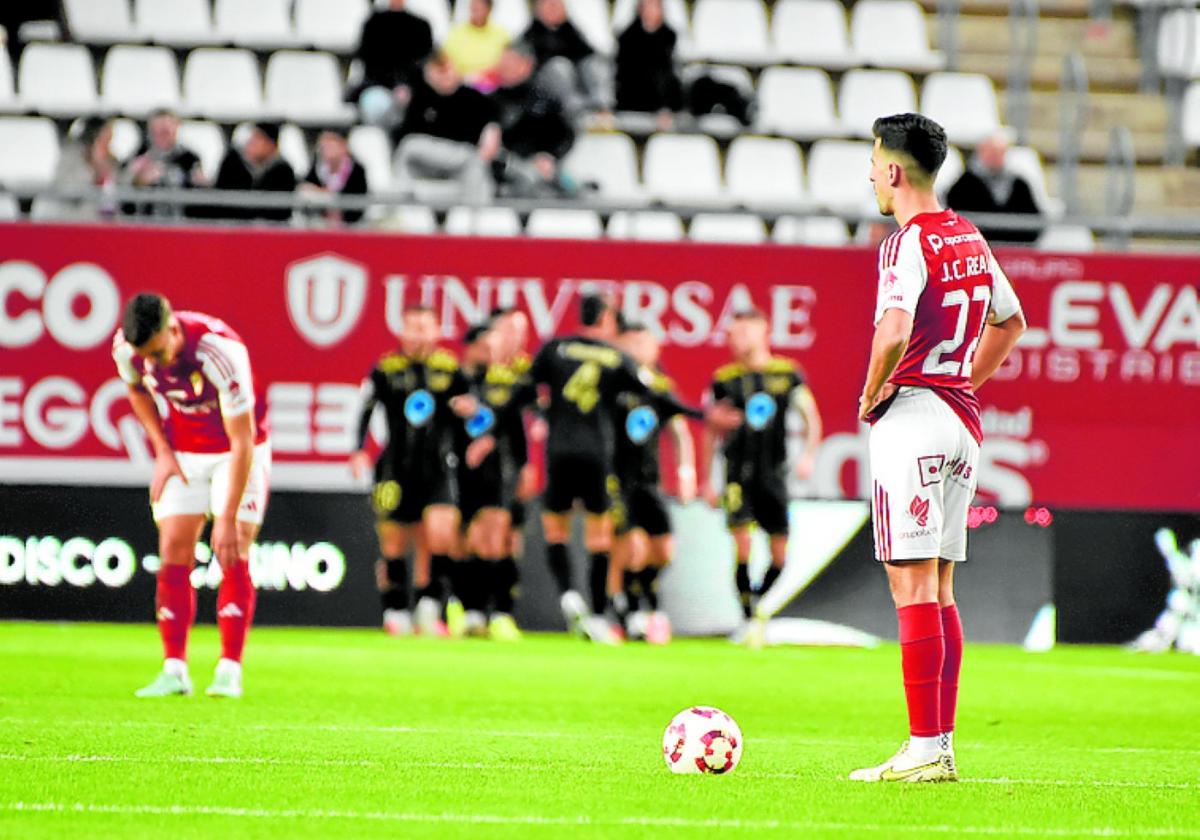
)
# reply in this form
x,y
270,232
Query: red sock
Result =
x,y
952,629
922,649
175,609
235,609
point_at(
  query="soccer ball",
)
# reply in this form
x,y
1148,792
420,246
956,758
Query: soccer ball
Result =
x,y
702,740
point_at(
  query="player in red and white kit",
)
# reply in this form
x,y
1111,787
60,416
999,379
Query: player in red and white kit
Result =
x,y
945,319
212,458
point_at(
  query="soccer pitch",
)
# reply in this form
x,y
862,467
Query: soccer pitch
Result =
x,y
355,734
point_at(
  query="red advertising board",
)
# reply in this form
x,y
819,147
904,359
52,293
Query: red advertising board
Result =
x,y
1098,408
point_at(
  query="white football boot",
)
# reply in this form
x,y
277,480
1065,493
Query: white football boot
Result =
x,y
905,767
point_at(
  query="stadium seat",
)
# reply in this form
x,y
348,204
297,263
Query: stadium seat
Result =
x,y
222,84
1179,48
294,148
569,223
176,23
34,166
57,79
685,169
812,32
731,30
513,15
838,172
964,103
136,80
126,139
591,18
1026,162
813,230
866,95
892,33
780,88
333,25
369,145
207,140
608,160
99,21
1191,114
10,208
744,228
436,12
952,169
764,172
258,24
306,87
414,219
1069,239
482,221
646,225
9,101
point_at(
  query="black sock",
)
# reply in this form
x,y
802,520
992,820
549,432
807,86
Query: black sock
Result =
x,y
632,587
393,583
441,575
769,579
469,583
648,581
745,593
598,576
560,565
504,582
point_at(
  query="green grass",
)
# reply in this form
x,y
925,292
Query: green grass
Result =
x,y
354,734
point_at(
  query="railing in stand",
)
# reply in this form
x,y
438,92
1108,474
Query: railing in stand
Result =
x,y
1120,185
1072,120
1023,26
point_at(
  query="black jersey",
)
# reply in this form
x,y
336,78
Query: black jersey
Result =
x,y
639,420
415,395
585,376
759,446
502,393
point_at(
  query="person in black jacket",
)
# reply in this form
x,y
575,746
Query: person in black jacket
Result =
x,y
162,162
258,167
988,186
335,171
393,46
646,77
566,61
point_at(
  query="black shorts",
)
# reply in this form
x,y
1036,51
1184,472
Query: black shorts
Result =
x,y
406,503
573,478
761,500
519,513
478,490
641,506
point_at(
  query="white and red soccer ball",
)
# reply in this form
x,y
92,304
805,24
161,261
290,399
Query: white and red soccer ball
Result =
x,y
702,740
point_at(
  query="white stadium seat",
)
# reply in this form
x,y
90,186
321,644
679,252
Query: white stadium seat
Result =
x,y
743,228
207,140
260,24
813,230
293,147
34,165
136,80
838,175
892,33
591,18
685,169
812,32
609,160
764,172
57,79
731,30
1026,162
126,139
866,95
482,221
414,219
1179,43
797,102
646,225
952,169
99,21
369,145
436,12
333,25
513,15
1191,115
1068,239
222,84
176,23
9,101
10,208
306,87
963,103
569,223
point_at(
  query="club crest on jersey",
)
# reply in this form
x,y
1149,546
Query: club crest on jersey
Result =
x,y
418,408
760,410
918,509
325,297
481,422
641,423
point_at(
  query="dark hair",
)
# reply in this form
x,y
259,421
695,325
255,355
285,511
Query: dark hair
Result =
x,y
629,325
144,316
501,311
161,112
86,130
591,309
476,332
270,129
417,309
915,135
749,313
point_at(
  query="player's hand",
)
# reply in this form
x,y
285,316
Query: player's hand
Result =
x,y
866,406
722,417
710,495
225,541
538,430
527,483
360,462
464,405
804,467
687,484
479,449
165,466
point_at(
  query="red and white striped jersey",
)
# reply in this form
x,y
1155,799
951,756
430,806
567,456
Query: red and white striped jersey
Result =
x,y
940,270
209,380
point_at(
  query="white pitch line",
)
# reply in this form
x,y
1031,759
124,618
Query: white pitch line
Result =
x,y
583,820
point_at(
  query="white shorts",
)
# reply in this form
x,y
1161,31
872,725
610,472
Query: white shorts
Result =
x,y
208,485
923,469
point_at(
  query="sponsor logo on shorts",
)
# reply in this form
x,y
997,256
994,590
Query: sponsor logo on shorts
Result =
x,y
918,509
929,467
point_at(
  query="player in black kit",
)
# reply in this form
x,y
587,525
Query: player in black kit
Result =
x,y
764,389
424,395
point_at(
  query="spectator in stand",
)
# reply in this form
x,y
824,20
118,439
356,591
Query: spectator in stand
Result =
x,y
258,167
449,133
989,186
535,131
162,162
393,47
567,61
474,48
647,80
336,172
86,161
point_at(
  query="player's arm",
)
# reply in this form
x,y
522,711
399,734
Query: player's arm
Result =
x,y
708,443
887,349
360,459
146,412
805,404
1006,324
685,458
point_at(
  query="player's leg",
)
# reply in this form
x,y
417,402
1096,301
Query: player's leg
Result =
x,y
771,513
391,569
597,537
558,502
439,528
498,571
175,600
952,631
655,528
